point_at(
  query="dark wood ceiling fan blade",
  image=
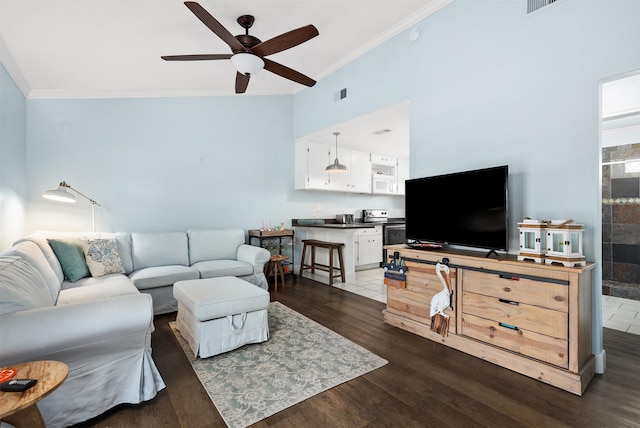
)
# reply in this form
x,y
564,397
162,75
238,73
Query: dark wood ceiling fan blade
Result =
x,y
285,41
215,26
287,73
242,81
197,57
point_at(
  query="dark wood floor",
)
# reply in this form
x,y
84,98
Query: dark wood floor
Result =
x,y
425,384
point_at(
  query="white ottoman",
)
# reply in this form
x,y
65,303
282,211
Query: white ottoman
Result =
x,y
217,315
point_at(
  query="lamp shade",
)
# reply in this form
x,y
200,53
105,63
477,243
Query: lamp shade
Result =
x,y
336,167
247,63
60,194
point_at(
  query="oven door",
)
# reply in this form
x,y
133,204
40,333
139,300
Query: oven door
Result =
x,y
392,234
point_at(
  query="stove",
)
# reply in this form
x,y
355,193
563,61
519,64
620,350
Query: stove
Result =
x,y
375,216
393,229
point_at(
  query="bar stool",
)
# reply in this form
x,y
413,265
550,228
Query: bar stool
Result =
x,y
334,272
275,267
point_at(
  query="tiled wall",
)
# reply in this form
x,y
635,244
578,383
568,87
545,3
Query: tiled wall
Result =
x,y
620,224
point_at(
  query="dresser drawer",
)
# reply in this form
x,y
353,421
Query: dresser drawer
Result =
x,y
415,305
514,288
539,346
423,277
521,315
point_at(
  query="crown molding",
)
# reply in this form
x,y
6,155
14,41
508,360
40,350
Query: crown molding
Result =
x,y
12,68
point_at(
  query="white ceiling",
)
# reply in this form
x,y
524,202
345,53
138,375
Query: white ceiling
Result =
x,y
385,131
112,48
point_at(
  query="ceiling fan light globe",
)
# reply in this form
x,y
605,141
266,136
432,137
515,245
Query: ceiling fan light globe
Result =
x,y
247,64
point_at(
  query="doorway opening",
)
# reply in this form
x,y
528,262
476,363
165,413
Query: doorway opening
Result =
x,y
621,187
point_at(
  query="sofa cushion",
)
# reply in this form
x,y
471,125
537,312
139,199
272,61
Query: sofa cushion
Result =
x,y
159,249
159,276
41,241
30,252
97,288
71,257
124,248
214,244
219,297
217,268
22,287
102,256
123,238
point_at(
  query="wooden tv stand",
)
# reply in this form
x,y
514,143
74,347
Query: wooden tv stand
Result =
x,y
531,318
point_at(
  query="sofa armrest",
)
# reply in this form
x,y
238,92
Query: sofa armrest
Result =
x,y
48,332
256,256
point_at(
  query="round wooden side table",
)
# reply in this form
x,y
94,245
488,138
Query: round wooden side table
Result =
x,y
18,408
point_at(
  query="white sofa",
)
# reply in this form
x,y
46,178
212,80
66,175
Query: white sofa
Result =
x,y
153,262
100,325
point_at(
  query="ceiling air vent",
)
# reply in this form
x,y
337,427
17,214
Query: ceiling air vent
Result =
x,y
533,5
382,131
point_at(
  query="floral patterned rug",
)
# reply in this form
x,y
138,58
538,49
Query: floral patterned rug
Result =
x,y
301,359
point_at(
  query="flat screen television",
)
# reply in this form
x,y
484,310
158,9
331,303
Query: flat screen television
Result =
x,y
467,209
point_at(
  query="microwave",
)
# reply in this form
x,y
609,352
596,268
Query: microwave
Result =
x,y
384,184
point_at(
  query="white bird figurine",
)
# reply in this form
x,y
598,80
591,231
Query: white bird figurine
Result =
x,y
442,299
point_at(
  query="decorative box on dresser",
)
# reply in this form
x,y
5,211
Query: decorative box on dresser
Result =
x,y
529,317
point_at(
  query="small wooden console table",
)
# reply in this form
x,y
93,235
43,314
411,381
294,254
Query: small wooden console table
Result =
x,y
19,408
275,241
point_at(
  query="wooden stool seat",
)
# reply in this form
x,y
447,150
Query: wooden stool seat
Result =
x,y
275,267
334,272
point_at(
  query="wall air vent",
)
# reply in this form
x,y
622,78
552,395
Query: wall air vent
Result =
x,y
340,95
533,5
382,131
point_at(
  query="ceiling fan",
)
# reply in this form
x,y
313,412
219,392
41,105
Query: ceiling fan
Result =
x,y
249,52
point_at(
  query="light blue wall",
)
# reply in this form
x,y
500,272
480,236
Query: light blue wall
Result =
x,y
140,159
491,85
13,178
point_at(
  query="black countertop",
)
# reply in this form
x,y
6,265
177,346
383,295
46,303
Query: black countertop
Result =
x,y
332,224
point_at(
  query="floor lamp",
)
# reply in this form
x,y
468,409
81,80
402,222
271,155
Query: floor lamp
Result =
x,y
61,194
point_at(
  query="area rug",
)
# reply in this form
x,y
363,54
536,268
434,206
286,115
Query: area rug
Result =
x,y
301,359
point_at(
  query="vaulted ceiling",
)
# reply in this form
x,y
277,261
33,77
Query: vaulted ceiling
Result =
x,y
112,48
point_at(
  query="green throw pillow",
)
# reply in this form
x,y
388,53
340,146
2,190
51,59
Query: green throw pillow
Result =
x,y
71,257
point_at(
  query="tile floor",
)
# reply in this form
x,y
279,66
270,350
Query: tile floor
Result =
x,y
618,313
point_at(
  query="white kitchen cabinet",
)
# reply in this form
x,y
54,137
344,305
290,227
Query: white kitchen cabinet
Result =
x,y
356,178
378,159
360,172
403,174
384,174
368,247
311,159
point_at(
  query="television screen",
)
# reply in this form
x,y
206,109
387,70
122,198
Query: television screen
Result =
x,y
466,208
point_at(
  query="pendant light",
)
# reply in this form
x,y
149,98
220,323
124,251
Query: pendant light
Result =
x,y
336,166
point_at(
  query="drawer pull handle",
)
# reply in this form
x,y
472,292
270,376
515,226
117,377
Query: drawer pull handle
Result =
x,y
509,326
509,302
511,277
